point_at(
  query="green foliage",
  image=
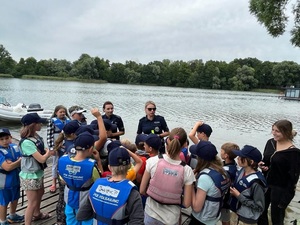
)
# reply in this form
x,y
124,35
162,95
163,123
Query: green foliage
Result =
x,y
272,14
240,74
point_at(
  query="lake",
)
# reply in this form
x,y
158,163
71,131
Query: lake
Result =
x,y
240,117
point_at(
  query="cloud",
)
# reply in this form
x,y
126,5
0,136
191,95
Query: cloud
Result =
x,y
142,31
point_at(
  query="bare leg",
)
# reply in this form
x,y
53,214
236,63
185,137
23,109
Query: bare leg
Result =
x,y
3,212
13,207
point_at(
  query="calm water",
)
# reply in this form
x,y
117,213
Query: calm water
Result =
x,y
240,117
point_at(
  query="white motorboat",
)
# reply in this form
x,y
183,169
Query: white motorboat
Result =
x,y
14,114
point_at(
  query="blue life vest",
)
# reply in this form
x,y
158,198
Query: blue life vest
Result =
x,y
10,179
242,183
222,183
109,201
78,177
39,143
58,125
231,169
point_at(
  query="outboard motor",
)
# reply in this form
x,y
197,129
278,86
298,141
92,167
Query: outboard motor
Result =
x,y
34,107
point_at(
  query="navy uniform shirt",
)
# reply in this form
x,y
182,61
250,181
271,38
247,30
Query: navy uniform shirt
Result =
x,y
117,120
156,126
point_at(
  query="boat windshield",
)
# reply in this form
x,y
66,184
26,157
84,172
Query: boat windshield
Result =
x,y
3,101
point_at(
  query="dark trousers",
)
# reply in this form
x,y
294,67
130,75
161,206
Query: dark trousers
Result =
x,y
194,221
263,219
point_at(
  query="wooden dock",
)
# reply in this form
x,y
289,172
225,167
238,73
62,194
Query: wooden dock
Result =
x,y
49,200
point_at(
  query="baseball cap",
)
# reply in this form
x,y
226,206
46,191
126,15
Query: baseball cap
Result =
x,y
119,157
153,141
71,127
4,132
85,128
250,152
205,128
112,145
205,150
76,109
107,123
84,141
140,138
32,118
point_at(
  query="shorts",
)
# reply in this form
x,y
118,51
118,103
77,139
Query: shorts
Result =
x,y
225,215
9,195
32,184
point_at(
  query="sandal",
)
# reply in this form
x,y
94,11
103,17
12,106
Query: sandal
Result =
x,y
41,216
52,189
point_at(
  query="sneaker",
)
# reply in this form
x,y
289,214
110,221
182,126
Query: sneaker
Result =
x,y
15,218
4,223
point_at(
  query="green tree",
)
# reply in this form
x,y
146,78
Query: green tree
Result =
x,y
272,14
7,64
85,68
244,79
102,67
286,73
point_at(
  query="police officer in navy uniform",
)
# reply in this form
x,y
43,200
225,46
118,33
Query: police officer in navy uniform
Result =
x,y
153,124
108,109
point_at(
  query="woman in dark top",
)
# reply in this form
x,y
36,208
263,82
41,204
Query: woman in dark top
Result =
x,y
281,166
153,124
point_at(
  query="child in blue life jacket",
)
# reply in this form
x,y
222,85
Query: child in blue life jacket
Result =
x,y
64,144
114,200
230,167
56,123
79,173
10,161
248,190
211,186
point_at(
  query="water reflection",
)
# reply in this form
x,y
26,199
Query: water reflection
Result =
x,y
241,117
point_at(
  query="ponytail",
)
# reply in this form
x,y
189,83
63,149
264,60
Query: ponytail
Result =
x,y
178,138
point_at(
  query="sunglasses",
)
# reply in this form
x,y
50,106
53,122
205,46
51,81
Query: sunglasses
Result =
x,y
151,109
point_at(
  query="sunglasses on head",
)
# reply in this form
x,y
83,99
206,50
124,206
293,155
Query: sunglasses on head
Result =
x,y
151,109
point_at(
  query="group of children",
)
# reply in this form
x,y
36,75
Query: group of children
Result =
x,y
138,184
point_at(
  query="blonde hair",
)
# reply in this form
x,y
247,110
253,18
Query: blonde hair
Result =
x,y
178,138
119,170
228,148
130,146
149,103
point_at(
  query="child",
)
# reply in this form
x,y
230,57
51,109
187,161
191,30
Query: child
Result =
x,y
9,178
79,173
164,181
64,144
230,167
114,200
201,131
33,163
211,185
57,121
248,190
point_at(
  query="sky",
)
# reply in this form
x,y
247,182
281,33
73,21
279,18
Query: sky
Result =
x,y
139,30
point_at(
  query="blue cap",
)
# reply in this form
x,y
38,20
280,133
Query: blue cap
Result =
x,y
84,141
140,138
85,128
154,141
205,128
107,123
4,132
205,150
119,157
250,152
32,118
71,127
112,145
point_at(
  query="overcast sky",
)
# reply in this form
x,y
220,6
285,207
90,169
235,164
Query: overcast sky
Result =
x,y
138,30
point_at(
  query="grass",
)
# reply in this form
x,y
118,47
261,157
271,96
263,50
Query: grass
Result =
x,y
274,91
36,77
6,75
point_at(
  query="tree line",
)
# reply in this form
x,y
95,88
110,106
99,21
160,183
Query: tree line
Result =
x,y
240,74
